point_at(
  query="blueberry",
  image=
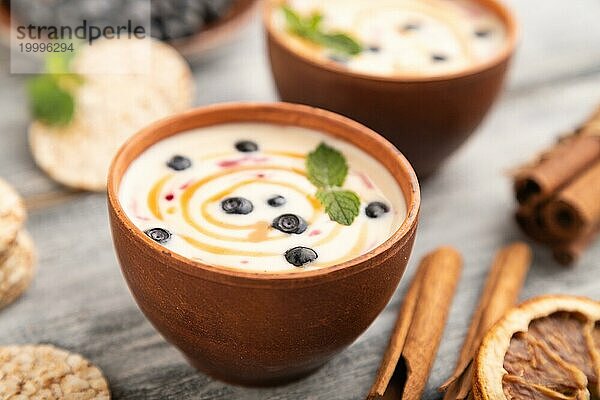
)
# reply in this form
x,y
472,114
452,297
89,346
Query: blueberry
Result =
x,y
174,28
289,223
298,256
179,163
438,57
170,19
338,59
410,26
173,19
276,201
374,49
246,146
376,209
237,205
159,235
215,9
483,33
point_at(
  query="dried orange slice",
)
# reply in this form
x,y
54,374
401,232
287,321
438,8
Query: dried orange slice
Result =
x,y
548,348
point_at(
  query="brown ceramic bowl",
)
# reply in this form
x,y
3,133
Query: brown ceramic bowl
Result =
x,y
426,118
215,35
261,328
194,47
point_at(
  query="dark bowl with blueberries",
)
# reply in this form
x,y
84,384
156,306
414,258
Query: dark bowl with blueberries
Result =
x,y
261,328
426,117
194,27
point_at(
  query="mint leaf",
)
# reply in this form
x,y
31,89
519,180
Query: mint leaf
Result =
x,y
293,19
315,20
50,95
59,63
50,103
341,43
342,206
326,167
310,29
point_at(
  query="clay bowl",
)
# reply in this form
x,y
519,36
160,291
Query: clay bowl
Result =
x,y
194,47
218,34
261,328
426,118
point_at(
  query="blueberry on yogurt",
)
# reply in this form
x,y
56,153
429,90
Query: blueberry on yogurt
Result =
x,y
376,209
483,33
246,146
276,201
289,223
159,235
299,256
179,163
338,58
237,205
410,26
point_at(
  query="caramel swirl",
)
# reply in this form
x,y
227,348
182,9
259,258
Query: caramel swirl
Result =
x,y
259,231
243,198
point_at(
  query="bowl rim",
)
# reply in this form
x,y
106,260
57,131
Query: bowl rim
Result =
x,y
217,33
208,38
505,14
143,139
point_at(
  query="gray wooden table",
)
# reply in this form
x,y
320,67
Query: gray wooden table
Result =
x,y
79,300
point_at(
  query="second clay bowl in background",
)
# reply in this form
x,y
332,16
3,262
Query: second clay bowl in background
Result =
x,y
427,118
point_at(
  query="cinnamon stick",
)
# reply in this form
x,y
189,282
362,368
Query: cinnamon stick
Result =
x,y
398,338
531,221
565,252
418,330
559,193
592,126
569,252
576,208
556,167
501,291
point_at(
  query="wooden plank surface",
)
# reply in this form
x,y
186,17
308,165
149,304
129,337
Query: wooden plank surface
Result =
x,y
79,300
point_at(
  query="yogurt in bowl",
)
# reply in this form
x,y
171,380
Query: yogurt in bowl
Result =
x,y
395,37
422,73
205,207
238,195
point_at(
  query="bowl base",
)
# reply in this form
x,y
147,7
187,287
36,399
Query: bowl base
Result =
x,y
254,382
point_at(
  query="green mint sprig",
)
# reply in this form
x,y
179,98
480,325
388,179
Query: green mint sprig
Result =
x,y
327,170
310,28
49,102
50,94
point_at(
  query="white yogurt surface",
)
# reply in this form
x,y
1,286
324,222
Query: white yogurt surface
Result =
x,y
187,203
404,37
